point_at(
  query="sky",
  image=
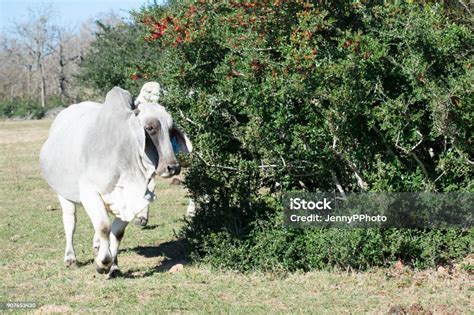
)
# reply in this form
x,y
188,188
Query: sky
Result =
x,y
67,12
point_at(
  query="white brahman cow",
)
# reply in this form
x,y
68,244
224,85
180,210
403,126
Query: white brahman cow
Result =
x,y
105,156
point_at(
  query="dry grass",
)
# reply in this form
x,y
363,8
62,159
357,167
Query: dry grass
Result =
x,y
32,244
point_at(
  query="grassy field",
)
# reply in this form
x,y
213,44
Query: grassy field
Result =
x,y
32,245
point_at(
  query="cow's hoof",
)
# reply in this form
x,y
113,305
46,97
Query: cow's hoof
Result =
x,y
104,265
141,221
102,270
114,273
70,263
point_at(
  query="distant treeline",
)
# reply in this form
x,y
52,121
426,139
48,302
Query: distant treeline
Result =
x,y
39,61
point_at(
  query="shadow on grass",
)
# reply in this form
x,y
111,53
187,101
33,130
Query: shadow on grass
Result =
x,y
174,252
151,227
88,262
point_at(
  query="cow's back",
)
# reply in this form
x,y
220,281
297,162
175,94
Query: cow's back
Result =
x,y
60,154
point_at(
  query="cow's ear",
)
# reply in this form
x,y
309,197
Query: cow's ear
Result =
x,y
119,99
180,141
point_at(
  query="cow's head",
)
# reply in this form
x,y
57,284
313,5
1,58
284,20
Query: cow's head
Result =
x,y
165,135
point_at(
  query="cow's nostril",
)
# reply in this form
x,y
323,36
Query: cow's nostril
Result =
x,y
174,169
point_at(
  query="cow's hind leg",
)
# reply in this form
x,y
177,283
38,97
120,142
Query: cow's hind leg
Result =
x,y
116,235
69,221
96,210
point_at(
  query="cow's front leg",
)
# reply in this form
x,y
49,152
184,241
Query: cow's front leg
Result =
x,y
142,218
96,210
96,243
191,210
116,235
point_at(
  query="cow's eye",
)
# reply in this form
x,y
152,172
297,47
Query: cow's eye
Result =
x,y
149,128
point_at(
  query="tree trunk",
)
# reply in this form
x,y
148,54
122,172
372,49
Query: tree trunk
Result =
x,y
43,92
39,65
28,86
62,75
42,86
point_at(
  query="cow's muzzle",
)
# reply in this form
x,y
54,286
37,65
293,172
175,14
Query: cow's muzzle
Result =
x,y
171,170
174,169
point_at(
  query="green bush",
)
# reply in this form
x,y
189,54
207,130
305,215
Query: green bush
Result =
x,y
27,108
116,59
287,95
275,249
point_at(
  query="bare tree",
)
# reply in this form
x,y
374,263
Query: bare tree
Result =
x,y
38,37
65,58
39,58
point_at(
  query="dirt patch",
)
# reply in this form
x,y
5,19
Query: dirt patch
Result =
x,y
176,268
53,309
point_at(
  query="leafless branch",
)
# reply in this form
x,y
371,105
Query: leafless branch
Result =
x,y
437,178
465,7
264,49
187,119
358,175
338,184
379,133
264,166
422,166
413,154
214,165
